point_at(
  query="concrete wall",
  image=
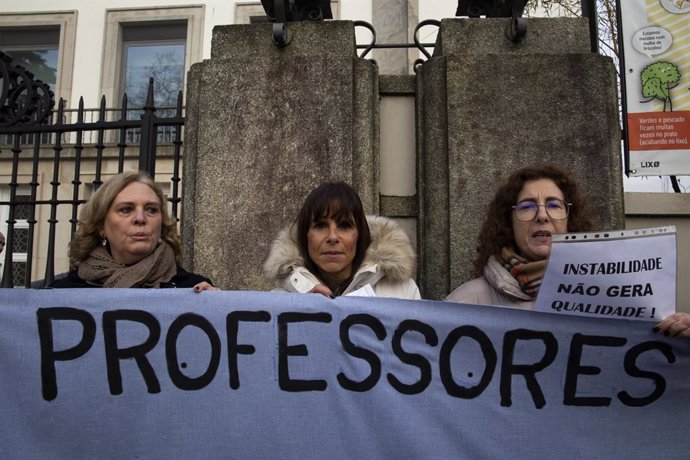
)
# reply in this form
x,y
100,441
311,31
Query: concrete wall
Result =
x,y
643,210
266,125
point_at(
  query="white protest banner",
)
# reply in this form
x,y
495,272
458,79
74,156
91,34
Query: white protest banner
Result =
x,y
618,274
167,373
656,55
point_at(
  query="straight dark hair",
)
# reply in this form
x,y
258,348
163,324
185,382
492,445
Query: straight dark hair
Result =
x,y
338,201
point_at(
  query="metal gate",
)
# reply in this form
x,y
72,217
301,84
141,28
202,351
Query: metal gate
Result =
x,y
51,160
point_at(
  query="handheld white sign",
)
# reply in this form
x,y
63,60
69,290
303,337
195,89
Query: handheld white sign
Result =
x,y
616,274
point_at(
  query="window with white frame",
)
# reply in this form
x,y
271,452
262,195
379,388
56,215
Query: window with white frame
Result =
x,y
155,51
150,42
35,48
44,44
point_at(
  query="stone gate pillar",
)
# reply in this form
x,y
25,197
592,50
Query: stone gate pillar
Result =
x,y
265,125
487,106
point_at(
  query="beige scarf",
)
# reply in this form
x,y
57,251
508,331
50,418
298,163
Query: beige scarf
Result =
x,y
528,274
100,269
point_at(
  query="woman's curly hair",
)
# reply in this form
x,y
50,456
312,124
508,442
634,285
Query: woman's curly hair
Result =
x,y
92,217
497,229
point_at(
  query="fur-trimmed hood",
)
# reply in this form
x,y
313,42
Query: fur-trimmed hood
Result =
x,y
390,250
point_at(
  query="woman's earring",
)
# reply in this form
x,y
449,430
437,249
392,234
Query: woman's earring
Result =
x,y
104,242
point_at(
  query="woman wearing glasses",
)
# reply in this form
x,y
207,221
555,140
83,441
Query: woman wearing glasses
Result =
x,y
533,204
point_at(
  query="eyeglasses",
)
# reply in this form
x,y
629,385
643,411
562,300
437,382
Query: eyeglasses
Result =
x,y
528,210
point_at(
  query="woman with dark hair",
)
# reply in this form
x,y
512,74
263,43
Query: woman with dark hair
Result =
x,y
334,249
126,238
533,204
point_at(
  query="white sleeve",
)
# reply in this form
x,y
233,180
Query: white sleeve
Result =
x,y
300,280
413,291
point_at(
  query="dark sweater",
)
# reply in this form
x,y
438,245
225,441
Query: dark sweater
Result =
x,y
182,279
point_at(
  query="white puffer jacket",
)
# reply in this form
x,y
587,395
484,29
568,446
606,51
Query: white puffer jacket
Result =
x,y
388,264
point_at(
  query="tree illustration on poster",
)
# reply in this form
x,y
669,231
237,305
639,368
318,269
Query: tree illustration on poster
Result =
x,y
657,81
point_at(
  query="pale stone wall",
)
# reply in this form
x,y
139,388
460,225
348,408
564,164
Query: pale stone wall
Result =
x,y
645,210
265,126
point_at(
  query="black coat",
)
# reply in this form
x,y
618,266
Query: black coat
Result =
x,y
182,279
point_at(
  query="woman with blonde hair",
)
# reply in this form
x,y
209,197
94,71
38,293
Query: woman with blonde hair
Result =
x,y
126,238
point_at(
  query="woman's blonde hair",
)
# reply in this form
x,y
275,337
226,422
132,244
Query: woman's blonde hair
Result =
x,y
92,217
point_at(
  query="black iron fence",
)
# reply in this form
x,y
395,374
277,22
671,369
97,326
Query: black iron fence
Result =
x,y
51,164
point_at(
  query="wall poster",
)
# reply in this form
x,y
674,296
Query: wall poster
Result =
x,y
655,37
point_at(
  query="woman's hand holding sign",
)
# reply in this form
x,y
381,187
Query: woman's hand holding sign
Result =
x,y
675,325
